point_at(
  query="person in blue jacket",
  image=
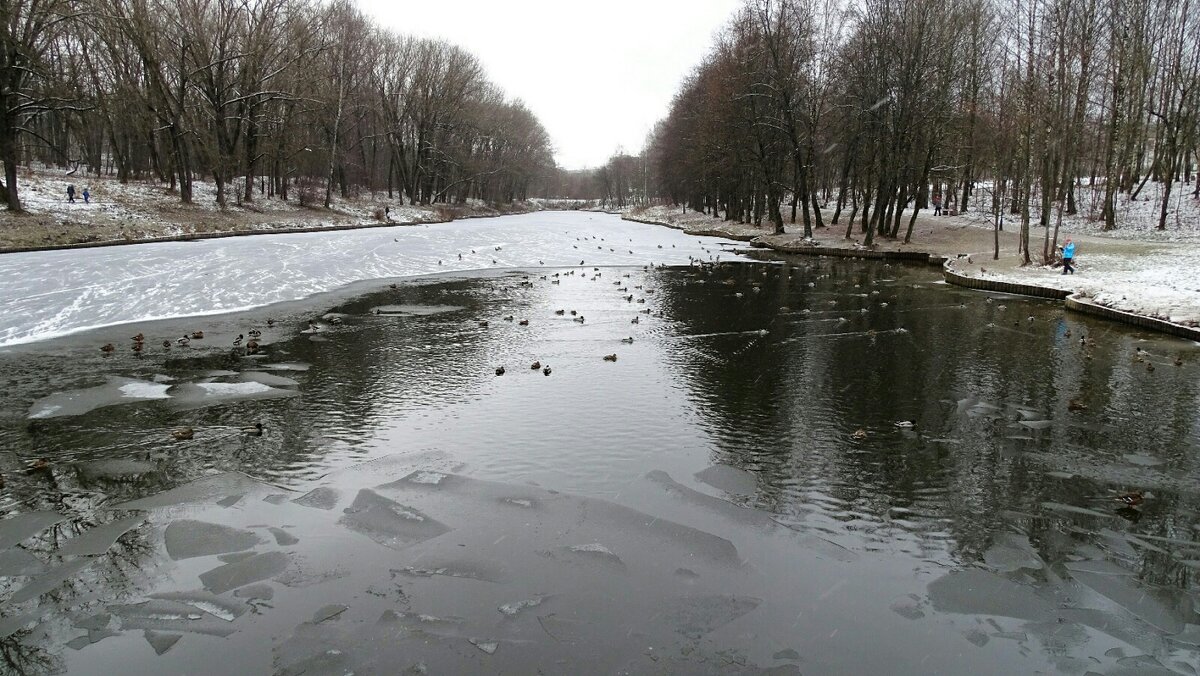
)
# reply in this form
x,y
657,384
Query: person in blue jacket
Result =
x,y
1068,254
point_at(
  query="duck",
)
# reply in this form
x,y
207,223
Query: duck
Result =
x,y
238,341
535,366
546,371
635,320
573,313
39,465
197,335
483,324
1150,367
1076,405
166,344
184,340
523,322
579,319
254,430
628,340
252,347
1131,499
560,312
183,434
1178,361
138,347
499,370
254,333
270,322
139,338
906,424
610,357
508,318
859,435
108,347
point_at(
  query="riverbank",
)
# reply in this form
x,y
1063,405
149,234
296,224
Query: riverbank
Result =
x,y
1141,278
140,211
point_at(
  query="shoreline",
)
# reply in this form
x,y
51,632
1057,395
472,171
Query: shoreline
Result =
x,y
220,234
1073,300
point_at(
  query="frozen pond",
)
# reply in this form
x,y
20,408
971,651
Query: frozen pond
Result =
x,y
731,495
52,293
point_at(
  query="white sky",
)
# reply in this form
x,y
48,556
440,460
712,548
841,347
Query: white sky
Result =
x,y
597,73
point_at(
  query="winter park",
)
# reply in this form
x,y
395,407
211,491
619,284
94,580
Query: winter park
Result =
x,y
712,337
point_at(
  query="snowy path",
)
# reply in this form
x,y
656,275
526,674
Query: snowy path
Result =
x,y
52,293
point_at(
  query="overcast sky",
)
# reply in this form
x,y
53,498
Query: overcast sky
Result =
x,y
597,73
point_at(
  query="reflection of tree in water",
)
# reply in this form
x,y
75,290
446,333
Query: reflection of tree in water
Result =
x,y
785,411
122,572
20,658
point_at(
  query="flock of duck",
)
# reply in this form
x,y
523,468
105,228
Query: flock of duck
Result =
x,y
556,279
241,345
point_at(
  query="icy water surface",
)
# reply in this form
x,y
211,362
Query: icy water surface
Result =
x,y
702,504
52,293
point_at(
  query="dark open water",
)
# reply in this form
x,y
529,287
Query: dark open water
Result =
x,y
700,505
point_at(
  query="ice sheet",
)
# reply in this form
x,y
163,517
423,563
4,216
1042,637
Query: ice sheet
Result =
x,y
53,293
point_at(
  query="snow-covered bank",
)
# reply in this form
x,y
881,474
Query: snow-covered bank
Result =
x,y
1157,278
1160,282
52,293
147,211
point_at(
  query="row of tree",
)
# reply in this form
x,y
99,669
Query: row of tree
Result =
x,y
262,97
873,107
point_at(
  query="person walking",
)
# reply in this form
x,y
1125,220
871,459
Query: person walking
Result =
x,y
70,193
1068,255
937,204
87,196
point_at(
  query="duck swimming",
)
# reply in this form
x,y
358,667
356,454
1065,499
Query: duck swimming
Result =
x,y
535,366
610,357
1132,499
108,347
197,335
183,434
859,435
907,424
500,371
254,430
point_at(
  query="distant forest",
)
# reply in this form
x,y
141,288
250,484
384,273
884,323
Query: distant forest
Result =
x,y
867,107
275,98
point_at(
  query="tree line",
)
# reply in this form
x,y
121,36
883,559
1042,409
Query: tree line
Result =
x,y
854,113
265,98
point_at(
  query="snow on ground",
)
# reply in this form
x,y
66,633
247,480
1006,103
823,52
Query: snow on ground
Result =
x,y
141,210
51,293
689,221
1136,219
1158,283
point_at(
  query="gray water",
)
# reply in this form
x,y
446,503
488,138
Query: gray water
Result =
x,y
699,505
